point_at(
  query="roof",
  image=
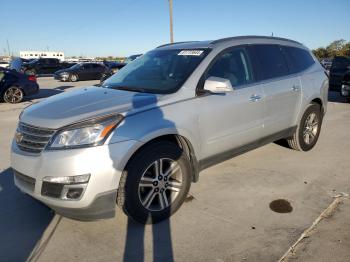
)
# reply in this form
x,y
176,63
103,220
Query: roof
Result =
x,y
212,43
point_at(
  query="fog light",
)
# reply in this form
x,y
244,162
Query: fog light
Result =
x,y
74,193
67,180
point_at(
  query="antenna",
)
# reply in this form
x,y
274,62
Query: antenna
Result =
x,y
8,47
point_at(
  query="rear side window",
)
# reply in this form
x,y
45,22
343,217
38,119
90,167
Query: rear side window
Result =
x,y
97,66
272,62
298,59
52,61
87,66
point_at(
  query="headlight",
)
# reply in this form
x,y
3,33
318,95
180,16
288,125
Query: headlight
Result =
x,y
89,133
64,74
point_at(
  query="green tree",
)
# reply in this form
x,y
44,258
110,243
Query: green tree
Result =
x,y
336,47
346,49
321,53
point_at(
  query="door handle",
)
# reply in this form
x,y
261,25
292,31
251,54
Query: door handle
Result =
x,y
295,88
255,98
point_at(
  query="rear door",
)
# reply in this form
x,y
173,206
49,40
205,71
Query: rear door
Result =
x,y
282,90
231,120
98,70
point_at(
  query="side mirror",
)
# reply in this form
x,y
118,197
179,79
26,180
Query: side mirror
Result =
x,y
217,85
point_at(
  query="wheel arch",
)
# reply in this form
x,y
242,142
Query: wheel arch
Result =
x,y
2,92
179,140
318,101
346,78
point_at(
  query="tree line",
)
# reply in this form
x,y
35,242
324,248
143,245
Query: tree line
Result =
x,y
336,48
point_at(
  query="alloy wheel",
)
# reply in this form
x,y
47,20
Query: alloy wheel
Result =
x,y
310,128
160,184
73,78
13,95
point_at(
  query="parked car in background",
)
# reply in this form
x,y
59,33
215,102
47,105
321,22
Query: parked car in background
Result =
x,y
4,64
131,58
143,138
114,67
111,69
85,71
340,75
326,63
14,86
44,66
24,60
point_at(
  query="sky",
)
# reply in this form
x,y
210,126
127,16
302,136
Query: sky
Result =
x,y
126,27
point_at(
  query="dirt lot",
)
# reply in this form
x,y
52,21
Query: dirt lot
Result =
x,y
228,217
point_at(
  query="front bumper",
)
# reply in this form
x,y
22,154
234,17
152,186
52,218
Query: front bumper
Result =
x,y
102,207
104,164
61,77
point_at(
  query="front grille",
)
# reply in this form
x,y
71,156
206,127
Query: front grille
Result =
x,y
25,181
32,139
51,189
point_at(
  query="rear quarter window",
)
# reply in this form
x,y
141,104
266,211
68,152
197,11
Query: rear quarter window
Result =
x,y
271,60
298,59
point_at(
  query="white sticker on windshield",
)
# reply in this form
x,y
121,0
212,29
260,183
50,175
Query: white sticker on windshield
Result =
x,y
191,52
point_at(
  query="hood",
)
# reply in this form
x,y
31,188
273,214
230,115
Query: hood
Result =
x,y
73,106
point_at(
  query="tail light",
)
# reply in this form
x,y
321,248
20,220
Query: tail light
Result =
x,y
32,78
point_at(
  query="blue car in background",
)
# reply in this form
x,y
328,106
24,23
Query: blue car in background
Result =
x,y
14,85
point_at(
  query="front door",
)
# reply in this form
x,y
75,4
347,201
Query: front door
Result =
x,y
231,120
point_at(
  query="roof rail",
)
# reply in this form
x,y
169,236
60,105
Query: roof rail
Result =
x,y
176,43
250,37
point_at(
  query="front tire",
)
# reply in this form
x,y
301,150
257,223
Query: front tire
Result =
x,y
13,95
73,78
155,183
306,135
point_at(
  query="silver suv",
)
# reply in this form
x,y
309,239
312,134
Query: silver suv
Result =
x,y
144,136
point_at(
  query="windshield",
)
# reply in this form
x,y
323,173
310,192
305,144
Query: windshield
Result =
x,y
33,61
158,71
76,66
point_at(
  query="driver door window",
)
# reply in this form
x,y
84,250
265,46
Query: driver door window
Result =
x,y
233,65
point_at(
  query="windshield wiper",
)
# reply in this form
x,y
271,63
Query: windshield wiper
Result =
x,y
130,88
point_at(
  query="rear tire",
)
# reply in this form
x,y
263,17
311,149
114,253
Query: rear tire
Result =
x,y
306,135
155,183
13,95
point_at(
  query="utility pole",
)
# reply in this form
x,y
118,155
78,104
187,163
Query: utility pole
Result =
x,y
171,21
8,47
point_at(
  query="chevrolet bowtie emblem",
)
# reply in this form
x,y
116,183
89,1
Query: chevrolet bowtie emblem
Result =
x,y
19,137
